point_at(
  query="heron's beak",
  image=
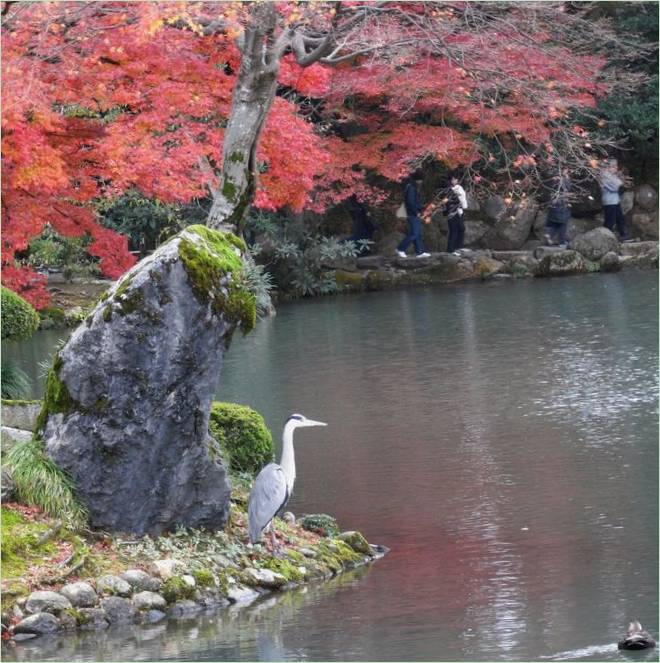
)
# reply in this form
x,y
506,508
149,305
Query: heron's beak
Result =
x,y
311,422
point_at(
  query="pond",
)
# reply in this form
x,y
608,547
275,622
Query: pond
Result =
x,y
500,438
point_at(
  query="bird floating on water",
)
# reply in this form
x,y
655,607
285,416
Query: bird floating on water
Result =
x,y
274,484
636,638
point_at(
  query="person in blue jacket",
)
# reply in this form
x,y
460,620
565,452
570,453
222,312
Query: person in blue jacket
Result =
x,y
413,208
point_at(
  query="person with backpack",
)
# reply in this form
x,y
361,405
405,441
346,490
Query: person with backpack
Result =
x,y
454,202
413,207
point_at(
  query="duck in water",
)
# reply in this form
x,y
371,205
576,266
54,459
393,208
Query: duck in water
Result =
x,y
636,638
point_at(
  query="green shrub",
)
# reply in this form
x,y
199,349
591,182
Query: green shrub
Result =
x,y
19,319
52,250
320,523
244,439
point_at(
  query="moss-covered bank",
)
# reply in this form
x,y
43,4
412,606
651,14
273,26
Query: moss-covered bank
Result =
x,y
153,578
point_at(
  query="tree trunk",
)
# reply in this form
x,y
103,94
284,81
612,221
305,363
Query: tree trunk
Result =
x,y
254,93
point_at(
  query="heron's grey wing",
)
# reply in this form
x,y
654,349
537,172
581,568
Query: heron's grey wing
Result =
x,y
268,495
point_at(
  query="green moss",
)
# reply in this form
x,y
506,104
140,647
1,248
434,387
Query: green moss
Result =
x,y
19,319
343,551
229,190
223,581
176,589
356,541
130,302
285,568
296,556
244,438
212,267
236,157
107,313
122,287
11,401
79,616
20,546
56,399
204,578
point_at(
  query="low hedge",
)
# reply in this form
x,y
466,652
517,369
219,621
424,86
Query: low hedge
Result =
x,y
19,319
244,439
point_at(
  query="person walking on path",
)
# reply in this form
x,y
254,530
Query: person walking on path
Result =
x,y
610,183
413,208
454,204
558,211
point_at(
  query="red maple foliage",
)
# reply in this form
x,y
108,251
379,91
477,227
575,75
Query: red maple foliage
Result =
x,y
106,96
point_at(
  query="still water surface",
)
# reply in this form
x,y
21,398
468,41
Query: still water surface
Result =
x,y
500,438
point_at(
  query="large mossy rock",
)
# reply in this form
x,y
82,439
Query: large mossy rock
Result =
x,y
127,402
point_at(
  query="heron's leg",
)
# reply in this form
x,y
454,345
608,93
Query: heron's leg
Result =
x,y
274,543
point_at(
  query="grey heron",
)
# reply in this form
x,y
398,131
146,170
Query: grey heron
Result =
x,y
274,484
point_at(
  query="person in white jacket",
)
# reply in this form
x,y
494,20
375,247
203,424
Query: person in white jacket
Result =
x,y
455,202
610,183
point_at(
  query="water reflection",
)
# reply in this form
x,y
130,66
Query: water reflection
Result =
x,y
240,632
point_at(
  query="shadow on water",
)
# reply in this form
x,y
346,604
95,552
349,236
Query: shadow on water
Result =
x,y
239,632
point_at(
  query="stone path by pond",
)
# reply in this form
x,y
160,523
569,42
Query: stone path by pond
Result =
x,y
379,272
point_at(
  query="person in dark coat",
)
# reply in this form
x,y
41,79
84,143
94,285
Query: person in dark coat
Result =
x,y
363,227
413,209
559,211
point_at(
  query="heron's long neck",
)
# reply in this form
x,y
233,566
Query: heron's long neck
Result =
x,y
288,461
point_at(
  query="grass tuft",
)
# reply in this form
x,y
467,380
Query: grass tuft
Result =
x,y
41,483
15,382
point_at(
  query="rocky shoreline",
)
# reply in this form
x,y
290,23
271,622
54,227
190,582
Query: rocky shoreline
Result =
x,y
596,251
107,581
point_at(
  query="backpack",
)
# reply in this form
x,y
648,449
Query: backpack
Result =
x,y
451,206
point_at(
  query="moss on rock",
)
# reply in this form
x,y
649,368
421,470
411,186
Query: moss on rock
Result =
x,y
356,541
243,436
285,568
176,589
204,578
57,398
212,265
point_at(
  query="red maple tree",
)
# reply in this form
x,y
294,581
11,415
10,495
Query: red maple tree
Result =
x,y
106,96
